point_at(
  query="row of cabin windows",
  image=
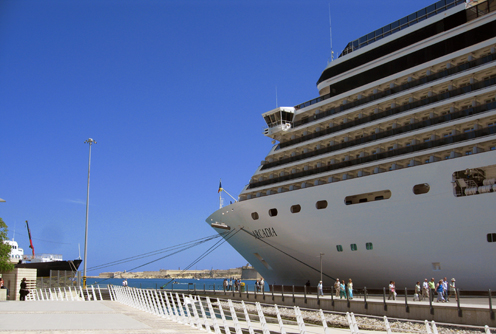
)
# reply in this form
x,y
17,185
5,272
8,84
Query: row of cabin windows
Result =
x,y
412,80
418,189
354,247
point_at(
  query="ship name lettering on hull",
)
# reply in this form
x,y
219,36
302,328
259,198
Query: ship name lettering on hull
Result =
x,y
264,233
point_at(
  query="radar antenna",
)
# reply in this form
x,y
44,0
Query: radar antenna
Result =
x,y
277,103
330,33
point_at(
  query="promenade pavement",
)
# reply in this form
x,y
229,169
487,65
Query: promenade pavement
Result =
x,y
82,317
101,317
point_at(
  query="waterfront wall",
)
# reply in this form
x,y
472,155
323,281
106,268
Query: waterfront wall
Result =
x,y
245,272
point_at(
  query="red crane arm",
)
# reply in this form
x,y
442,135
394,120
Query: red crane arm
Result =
x,y
30,241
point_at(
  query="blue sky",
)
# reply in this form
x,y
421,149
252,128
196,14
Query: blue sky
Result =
x,y
172,91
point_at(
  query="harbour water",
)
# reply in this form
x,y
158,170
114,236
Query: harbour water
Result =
x,y
169,283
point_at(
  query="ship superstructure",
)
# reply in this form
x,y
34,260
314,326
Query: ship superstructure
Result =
x,y
391,171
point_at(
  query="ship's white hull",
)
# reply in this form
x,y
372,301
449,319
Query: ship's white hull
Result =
x,y
413,236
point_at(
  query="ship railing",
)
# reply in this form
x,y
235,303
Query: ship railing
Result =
x,y
375,158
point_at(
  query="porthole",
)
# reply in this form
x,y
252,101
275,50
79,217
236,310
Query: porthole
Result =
x,y
369,246
491,237
273,212
295,208
254,215
422,188
339,248
321,205
353,247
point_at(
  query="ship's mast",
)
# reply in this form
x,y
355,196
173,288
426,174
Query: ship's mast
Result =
x,y
30,240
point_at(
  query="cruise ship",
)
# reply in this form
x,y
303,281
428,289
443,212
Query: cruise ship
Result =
x,y
390,173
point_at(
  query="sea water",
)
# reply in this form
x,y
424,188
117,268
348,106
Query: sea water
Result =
x,y
169,283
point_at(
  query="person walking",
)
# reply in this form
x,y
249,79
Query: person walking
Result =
x,y
445,289
416,295
320,289
337,287
392,291
440,291
425,289
262,284
342,290
225,284
24,290
452,290
257,285
230,284
124,282
432,288
350,289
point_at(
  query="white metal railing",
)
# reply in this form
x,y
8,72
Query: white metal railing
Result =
x,y
67,294
198,312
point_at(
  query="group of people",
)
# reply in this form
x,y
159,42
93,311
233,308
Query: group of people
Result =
x,y
23,292
342,289
443,288
228,285
260,284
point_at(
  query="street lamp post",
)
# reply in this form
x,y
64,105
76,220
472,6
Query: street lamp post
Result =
x,y
321,265
89,141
